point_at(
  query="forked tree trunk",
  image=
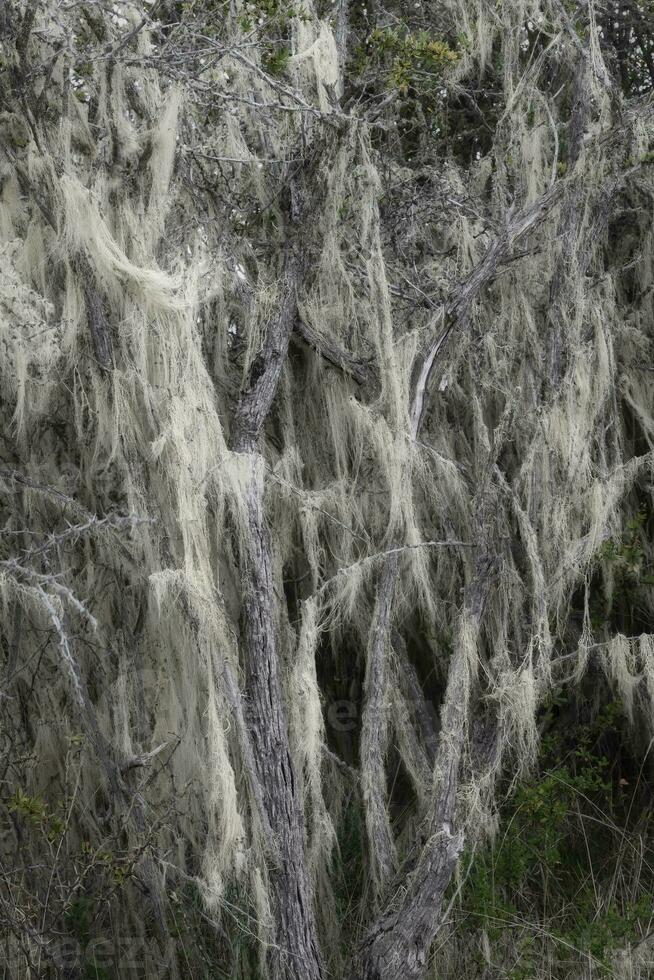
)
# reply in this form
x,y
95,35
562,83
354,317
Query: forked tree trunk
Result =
x,y
397,946
400,939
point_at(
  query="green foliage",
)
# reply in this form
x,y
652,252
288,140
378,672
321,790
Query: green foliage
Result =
x,y
270,21
411,65
275,60
92,970
78,918
271,12
411,60
32,808
232,953
627,552
35,810
623,574
349,862
562,836
644,160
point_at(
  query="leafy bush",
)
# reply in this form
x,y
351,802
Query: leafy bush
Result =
x,y
569,865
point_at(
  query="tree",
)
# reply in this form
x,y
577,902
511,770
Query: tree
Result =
x,y
325,342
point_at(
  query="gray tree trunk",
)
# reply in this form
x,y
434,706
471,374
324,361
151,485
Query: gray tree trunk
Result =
x,y
295,954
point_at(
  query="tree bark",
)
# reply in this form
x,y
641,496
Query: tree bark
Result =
x,y
374,733
397,946
294,954
358,369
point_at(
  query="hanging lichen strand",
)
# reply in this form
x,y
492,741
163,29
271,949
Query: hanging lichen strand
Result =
x,y
323,386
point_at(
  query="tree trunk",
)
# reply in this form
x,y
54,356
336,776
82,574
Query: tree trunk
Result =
x,y
397,946
294,954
